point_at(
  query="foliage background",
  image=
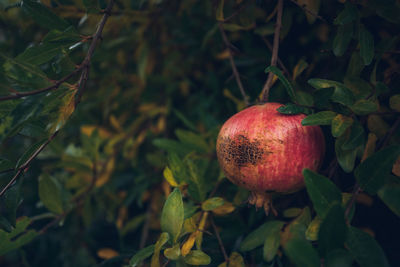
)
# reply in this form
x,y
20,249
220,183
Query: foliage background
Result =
x,y
159,88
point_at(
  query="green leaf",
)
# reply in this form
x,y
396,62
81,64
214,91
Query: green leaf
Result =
x,y
43,16
348,14
346,158
171,146
196,181
24,76
285,82
235,260
364,107
333,230
173,253
155,259
18,237
272,241
301,253
341,94
340,124
219,14
358,86
304,98
193,140
197,257
342,39
356,138
322,98
323,193
292,109
212,203
371,172
367,48
92,6
298,227
63,38
390,195
338,258
258,236
50,193
29,153
5,164
9,204
141,255
364,248
172,215
185,120
394,102
40,54
320,118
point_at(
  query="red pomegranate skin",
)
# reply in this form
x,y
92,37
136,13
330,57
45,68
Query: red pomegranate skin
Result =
x,y
262,150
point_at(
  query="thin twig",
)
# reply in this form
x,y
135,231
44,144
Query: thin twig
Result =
x,y
285,70
275,49
56,85
235,13
221,244
24,166
309,11
146,227
233,65
84,67
86,62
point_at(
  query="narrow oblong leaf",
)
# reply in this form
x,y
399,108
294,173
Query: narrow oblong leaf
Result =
x,y
390,195
322,191
141,255
29,153
366,40
320,118
197,257
282,78
364,107
172,215
302,253
43,16
50,193
342,39
212,203
292,109
257,237
346,157
333,230
18,237
370,173
155,259
272,242
364,248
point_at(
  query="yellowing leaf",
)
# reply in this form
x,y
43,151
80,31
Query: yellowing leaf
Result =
x,y
223,55
395,102
88,130
107,253
66,109
220,11
299,68
235,260
115,124
370,146
188,245
313,229
169,177
225,209
106,174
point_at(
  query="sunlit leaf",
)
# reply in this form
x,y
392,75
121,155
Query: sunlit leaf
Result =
x,y
212,203
172,215
340,124
197,257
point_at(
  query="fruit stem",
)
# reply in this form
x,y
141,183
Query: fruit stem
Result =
x,y
262,199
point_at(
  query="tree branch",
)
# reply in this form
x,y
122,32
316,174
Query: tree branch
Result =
x,y
275,49
221,244
81,84
43,90
231,60
280,63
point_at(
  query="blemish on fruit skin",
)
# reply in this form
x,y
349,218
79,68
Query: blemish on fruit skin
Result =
x,y
240,150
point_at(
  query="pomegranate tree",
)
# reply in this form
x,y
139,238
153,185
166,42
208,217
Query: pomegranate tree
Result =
x,y
265,151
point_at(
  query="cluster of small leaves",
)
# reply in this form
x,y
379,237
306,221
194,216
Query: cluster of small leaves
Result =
x,y
132,176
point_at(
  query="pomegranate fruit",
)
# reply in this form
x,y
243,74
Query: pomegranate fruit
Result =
x,y
265,151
